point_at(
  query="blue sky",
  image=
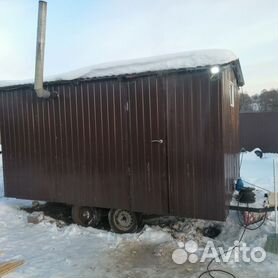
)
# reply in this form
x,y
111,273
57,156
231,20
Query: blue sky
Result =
x,y
87,32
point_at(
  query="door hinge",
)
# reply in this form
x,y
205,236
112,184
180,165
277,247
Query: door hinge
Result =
x,y
127,106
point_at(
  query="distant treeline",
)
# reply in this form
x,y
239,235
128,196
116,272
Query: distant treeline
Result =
x,y
266,101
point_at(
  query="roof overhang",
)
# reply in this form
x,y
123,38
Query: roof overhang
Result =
x,y
238,72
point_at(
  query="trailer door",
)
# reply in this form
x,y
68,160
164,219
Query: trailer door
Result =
x,y
147,138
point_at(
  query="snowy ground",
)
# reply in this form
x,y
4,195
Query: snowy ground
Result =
x,y
73,251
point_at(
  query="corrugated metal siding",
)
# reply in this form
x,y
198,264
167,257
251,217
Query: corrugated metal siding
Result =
x,y
195,145
230,129
72,149
93,144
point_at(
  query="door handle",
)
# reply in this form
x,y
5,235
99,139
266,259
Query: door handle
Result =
x,y
160,141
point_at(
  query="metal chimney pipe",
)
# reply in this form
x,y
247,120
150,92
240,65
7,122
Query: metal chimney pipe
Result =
x,y
38,86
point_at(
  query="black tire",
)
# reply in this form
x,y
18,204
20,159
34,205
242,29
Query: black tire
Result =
x,y
123,221
86,216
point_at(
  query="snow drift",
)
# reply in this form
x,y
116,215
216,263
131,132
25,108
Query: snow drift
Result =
x,y
182,60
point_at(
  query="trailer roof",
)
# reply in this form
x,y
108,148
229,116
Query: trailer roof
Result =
x,y
197,59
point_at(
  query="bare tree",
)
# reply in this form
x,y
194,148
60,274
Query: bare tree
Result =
x,y
245,103
266,101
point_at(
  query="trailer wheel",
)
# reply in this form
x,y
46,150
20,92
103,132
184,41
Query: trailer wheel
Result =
x,y
123,221
86,216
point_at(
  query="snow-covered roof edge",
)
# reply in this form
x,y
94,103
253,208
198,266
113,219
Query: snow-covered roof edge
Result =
x,y
183,60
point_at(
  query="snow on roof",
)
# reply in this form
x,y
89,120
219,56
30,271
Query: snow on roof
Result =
x,y
182,60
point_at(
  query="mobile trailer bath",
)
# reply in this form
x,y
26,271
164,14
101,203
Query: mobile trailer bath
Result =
x,y
154,136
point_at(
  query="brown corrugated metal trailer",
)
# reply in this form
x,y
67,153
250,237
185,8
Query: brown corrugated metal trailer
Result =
x,y
162,142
